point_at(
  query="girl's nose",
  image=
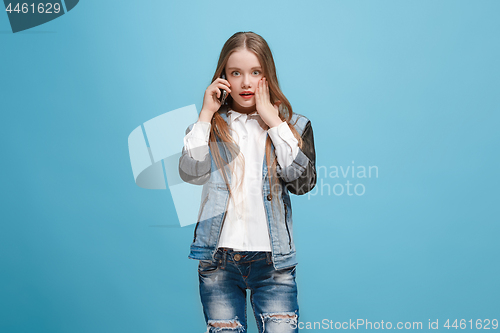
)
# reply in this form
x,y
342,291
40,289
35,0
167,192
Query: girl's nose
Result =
x,y
246,81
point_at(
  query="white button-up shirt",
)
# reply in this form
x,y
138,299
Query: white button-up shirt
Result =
x,y
245,227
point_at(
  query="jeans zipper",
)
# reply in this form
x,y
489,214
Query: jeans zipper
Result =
x,y
199,215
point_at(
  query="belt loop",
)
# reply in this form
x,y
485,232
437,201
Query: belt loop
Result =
x,y
268,258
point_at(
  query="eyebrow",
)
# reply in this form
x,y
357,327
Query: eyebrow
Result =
x,y
259,67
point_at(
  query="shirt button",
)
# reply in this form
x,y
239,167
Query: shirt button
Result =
x,y
237,257
269,197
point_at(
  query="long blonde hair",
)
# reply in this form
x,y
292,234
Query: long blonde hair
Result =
x,y
220,129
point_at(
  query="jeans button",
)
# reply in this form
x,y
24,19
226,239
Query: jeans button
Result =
x,y
237,257
269,197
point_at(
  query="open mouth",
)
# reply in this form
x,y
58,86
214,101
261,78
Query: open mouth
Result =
x,y
247,95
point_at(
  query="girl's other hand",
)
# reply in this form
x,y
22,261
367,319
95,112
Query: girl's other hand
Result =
x,y
267,111
211,102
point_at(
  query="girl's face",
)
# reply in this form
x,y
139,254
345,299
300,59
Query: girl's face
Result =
x,y
243,71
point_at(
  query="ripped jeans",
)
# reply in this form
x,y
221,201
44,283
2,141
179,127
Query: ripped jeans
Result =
x,y
223,284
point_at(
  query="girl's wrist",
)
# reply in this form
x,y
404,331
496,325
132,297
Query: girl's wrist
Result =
x,y
206,116
274,121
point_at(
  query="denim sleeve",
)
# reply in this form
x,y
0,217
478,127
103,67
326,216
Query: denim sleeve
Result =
x,y
191,170
300,176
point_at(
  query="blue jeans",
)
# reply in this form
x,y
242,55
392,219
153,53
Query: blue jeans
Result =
x,y
223,284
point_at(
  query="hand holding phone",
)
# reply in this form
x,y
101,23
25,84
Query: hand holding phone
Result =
x,y
224,92
215,96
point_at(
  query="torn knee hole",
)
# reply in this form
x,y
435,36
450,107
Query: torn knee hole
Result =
x,y
283,316
225,325
219,324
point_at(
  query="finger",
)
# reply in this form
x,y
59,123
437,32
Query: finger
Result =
x,y
221,80
264,90
223,86
257,96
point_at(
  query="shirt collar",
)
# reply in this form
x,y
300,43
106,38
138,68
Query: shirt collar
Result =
x,y
233,115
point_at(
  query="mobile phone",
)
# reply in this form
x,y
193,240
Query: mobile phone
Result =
x,y
224,93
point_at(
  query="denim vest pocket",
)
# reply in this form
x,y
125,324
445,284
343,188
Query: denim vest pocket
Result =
x,y
199,214
212,210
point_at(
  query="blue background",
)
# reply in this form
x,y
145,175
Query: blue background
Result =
x,y
411,87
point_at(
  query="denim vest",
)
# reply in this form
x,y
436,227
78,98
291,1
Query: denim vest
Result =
x,y
299,178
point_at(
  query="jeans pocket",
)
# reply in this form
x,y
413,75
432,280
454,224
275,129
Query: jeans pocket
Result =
x,y
288,270
208,266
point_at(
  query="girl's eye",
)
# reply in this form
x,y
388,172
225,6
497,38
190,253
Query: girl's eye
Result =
x,y
236,73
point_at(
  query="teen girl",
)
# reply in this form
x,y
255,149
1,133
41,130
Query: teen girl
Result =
x,y
248,152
